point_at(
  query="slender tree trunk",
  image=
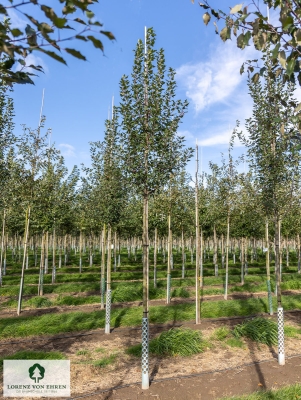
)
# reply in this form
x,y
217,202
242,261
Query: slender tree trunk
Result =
x,y
227,256
155,257
242,262
80,250
197,246
183,255
108,302
2,246
46,252
299,254
145,329
27,220
169,255
215,251
53,256
42,265
281,353
115,251
103,266
267,263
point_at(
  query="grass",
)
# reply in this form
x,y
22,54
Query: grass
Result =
x,y
174,342
292,392
50,324
104,362
291,331
82,352
260,330
33,355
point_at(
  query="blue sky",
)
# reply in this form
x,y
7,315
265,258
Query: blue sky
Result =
x,y
78,97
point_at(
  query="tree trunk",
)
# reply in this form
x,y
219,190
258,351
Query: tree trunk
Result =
x,y
27,219
103,266
108,301
169,255
155,257
227,257
183,255
197,247
267,263
2,246
145,329
215,251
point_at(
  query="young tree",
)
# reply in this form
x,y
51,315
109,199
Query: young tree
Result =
x,y
151,149
273,159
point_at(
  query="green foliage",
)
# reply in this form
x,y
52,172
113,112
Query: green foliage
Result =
x,y
260,330
104,362
33,355
149,117
255,24
49,30
174,342
38,302
221,333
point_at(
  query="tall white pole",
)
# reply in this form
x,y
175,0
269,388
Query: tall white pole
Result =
x,y
42,105
145,328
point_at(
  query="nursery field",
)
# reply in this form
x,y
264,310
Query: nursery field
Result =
x,y
233,351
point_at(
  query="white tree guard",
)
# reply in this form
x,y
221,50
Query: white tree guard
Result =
x,y
281,357
144,358
108,312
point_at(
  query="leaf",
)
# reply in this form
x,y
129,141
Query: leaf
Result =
x,y
216,28
204,6
297,35
90,14
97,43
215,14
16,32
282,129
206,18
80,37
282,58
80,21
108,34
53,55
240,41
225,33
75,53
287,22
298,108
236,8
275,51
59,22
255,77
290,66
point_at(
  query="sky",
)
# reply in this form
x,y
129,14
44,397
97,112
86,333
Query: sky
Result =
x,y
77,97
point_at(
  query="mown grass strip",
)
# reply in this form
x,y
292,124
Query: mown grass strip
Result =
x,y
51,324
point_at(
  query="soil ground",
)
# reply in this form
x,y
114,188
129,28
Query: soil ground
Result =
x,y
219,371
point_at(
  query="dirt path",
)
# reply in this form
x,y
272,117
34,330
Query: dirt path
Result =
x,y
221,370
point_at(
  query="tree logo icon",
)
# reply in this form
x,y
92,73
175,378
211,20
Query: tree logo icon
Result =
x,y
36,372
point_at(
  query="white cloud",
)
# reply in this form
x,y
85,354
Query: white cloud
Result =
x,y
67,150
187,134
213,81
16,20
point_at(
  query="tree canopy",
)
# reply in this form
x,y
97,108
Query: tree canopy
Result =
x,y
73,20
